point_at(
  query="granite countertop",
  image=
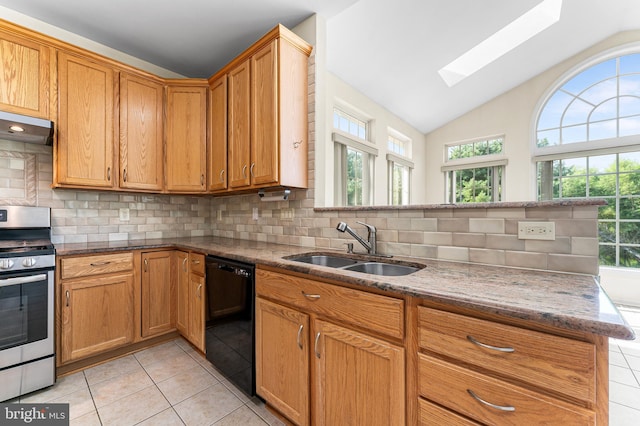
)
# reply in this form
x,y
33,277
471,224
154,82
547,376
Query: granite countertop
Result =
x,y
569,301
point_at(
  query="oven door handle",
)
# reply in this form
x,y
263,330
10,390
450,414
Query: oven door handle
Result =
x,y
23,280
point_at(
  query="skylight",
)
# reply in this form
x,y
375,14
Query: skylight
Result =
x,y
506,39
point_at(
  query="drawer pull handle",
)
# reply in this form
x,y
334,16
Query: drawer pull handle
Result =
x,y
109,174
488,404
251,169
300,335
199,291
493,348
311,296
244,171
315,349
184,264
124,175
100,263
146,263
195,262
222,175
67,295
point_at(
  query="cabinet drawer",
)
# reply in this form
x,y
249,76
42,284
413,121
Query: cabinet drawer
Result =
x,y
196,262
74,267
452,386
434,415
562,364
371,311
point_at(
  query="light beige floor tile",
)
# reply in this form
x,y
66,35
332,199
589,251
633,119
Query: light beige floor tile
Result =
x,y
63,386
169,367
242,416
167,417
208,406
134,408
259,408
80,402
212,370
112,369
616,358
620,415
182,342
158,353
622,375
236,391
111,390
89,419
186,384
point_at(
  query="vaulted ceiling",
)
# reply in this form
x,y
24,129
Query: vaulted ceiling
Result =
x,y
389,50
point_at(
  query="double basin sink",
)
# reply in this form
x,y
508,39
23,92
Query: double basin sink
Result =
x,y
358,264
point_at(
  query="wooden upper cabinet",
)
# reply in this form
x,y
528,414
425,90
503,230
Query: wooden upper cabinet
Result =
x,y
141,124
85,123
26,70
264,115
217,148
186,127
239,109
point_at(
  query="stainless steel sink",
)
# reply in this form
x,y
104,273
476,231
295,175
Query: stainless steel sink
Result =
x,y
381,268
325,260
358,263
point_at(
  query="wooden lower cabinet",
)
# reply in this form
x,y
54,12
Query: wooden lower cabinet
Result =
x,y
189,276
196,311
358,379
158,290
314,371
97,315
282,359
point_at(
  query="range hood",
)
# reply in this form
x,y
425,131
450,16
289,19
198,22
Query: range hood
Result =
x,y
21,128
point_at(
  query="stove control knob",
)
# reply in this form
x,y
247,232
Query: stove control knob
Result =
x,y
29,262
6,264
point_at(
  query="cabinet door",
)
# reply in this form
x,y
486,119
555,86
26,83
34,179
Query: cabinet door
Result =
x,y
26,78
264,116
97,315
141,154
217,153
357,377
181,278
186,138
158,294
239,110
85,122
282,359
196,311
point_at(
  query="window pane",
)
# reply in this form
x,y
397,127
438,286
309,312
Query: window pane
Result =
x,y
629,183
630,85
602,163
573,187
607,255
400,185
630,233
629,257
577,113
607,232
574,134
607,110
549,138
495,146
629,161
602,185
630,63
587,77
630,126
574,166
601,91
629,105
354,177
630,208
608,211
603,130
552,112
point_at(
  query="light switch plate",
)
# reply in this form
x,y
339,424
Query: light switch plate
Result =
x,y
124,215
537,231
255,214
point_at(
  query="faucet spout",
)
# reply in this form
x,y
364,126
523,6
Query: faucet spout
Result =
x,y
370,244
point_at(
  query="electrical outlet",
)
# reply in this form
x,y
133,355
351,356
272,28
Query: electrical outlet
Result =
x,y
255,214
219,215
537,231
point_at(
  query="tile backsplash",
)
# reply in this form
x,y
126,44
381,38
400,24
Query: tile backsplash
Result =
x,y
481,235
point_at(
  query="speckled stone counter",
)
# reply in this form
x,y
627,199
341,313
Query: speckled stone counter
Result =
x,y
570,301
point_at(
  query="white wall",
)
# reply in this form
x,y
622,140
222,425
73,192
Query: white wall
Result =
x,y
511,114
382,119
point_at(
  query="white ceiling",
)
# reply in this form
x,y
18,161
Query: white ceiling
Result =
x,y
389,50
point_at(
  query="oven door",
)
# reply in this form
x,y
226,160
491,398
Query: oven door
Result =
x,y
26,316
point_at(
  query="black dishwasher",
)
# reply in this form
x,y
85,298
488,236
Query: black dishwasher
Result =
x,y
229,333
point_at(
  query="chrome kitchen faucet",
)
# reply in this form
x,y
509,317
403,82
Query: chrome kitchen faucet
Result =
x,y
370,244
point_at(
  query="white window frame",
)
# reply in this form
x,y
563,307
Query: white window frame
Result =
x,y
392,160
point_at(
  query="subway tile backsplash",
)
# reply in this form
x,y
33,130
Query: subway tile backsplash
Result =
x,y
481,235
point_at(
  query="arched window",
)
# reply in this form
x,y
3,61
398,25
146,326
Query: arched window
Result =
x,y
588,145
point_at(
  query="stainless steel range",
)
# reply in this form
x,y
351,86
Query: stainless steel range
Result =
x,y
27,261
